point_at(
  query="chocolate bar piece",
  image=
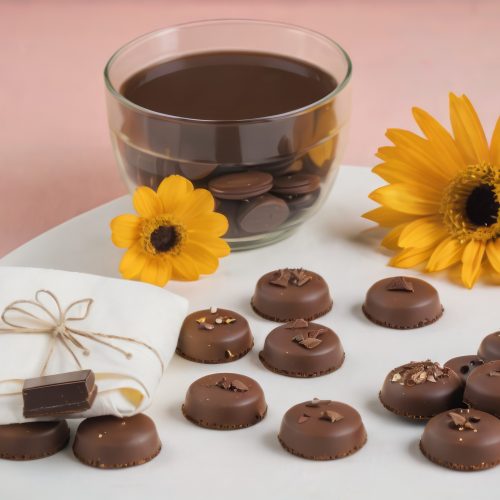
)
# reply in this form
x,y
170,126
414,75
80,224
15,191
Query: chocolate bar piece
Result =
x,y
60,394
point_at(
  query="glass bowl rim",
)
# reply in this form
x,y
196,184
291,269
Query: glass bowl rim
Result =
x,y
289,114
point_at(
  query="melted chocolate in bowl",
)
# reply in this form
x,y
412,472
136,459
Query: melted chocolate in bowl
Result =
x,y
228,112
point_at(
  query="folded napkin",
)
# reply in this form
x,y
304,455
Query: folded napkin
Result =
x,y
124,308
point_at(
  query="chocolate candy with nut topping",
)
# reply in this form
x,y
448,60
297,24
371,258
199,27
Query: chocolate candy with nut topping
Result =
x,y
225,401
402,303
32,440
482,390
214,335
462,439
289,294
322,430
241,185
421,389
110,442
489,349
302,349
464,365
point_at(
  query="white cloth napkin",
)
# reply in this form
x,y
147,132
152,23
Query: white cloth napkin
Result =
x,y
125,308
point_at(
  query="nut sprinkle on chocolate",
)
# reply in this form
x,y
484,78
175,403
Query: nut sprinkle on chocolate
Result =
x,y
418,372
310,339
295,277
461,422
400,284
331,416
234,385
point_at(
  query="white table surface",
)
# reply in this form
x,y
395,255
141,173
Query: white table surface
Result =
x,y
196,463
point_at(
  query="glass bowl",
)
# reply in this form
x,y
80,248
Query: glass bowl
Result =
x,y
150,146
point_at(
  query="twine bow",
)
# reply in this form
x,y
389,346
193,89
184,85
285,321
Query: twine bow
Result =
x,y
39,318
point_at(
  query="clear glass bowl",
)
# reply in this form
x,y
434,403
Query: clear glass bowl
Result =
x,y
150,146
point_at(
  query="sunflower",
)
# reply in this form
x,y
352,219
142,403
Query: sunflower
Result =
x,y
442,202
176,234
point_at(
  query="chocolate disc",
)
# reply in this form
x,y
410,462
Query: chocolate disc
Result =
x,y
288,294
489,349
462,439
112,443
421,389
295,184
302,349
262,214
322,430
196,171
464,365
402,303
33,440
302,201
225,401
214,336
482,390
241,186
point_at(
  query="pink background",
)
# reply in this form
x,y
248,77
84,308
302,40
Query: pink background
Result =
x,y
55,154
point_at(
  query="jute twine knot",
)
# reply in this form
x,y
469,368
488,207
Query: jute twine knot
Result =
x,y
36,317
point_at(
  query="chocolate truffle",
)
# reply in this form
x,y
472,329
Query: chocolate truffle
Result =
x,y
322,430
461,439
402,303
241,185
289,294
113,443
302,349
489,349
214,336
463,365
421,389
32,440
482,390
225,401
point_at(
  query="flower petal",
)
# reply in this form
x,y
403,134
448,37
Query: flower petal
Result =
x,y
410,257
206,261
198,202
420,149
391,239
422,232
406,199
133,261
446,254
157,271
146,202
184,268
386,217
441,140
212,222
472,259
125,230
495,145
215,245
172,190
493,253
468,131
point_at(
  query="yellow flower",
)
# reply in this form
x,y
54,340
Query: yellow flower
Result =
x,y
176,234
443,197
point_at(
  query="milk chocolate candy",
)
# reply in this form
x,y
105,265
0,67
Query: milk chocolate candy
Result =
x,y
462,439
464,365
482,390
489,350
60,394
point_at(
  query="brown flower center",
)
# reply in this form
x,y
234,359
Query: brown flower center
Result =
x,y
482,206
163,238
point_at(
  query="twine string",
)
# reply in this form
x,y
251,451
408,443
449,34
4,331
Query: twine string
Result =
x,y
56,325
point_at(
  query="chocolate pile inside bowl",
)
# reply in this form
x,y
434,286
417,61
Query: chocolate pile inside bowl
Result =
x,y
264,176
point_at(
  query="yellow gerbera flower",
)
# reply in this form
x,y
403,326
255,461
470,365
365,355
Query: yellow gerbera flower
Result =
x,y
176,234
443,197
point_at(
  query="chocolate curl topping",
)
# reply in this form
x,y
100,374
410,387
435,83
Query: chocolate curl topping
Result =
x,y
400,284
298,323
416,373
296,277
331,416
45,315
303,418
495,373
309,340
233,385
461,422
315,403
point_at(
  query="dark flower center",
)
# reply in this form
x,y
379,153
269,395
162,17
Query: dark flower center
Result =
x,y
482,206
164,238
